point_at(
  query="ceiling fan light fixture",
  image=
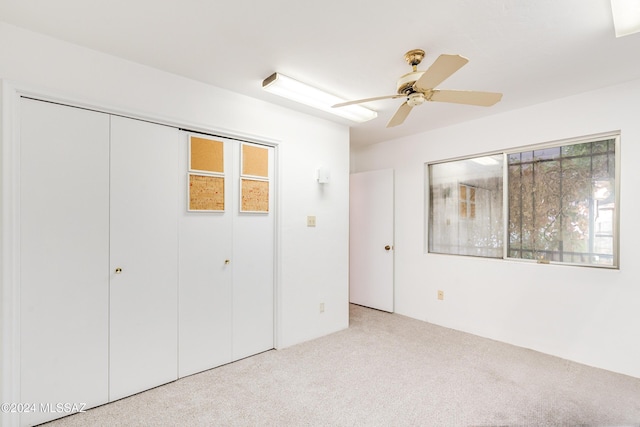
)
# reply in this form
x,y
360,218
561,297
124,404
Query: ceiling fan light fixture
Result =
x,y
626,16
292,89
415,99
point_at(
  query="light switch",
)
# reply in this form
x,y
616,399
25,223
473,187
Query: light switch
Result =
x,y
323,176
311,221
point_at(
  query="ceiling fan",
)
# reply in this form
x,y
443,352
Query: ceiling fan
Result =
x,y
418,86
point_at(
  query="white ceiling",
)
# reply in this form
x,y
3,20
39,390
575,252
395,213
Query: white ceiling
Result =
x,y
530,50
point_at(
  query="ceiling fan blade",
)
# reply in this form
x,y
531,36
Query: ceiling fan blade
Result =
x,y
483,99
360,101
401,113
439,71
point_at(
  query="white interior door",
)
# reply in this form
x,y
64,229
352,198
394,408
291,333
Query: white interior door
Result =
x,y
371,239
226,274
205,308
253,272
64,247
144,255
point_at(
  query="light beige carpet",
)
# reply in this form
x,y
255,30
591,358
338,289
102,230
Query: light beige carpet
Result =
x,y
385,370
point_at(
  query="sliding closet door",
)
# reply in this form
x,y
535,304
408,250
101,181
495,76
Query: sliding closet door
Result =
x,y
253,249
144,256
64,248
206,263
226,255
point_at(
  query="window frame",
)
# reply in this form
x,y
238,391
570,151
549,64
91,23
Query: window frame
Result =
x,y
614,135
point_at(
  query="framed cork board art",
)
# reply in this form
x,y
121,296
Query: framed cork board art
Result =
x,y
255,161
254,179
205,178
254,195
206,193
206,155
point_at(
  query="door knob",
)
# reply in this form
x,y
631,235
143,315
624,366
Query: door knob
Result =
x,y
118,270
387,248
227,261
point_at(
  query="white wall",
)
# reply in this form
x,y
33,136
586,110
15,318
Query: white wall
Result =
x,y
313,262
583,314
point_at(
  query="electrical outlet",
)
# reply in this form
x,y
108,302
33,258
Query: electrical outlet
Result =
x,y
440,295
311,221
321,307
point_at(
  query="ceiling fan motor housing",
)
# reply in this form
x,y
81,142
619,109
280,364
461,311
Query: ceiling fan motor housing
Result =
x,y
405,83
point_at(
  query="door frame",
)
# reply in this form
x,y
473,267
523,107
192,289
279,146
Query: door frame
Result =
x,y
10,94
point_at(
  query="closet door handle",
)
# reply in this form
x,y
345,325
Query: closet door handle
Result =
x,y
118,270
227,261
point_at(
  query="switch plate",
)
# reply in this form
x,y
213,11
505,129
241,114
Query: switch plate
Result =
x,y
323,175
441,295
311,221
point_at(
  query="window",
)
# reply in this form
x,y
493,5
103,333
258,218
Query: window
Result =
x,y
466,207
560,204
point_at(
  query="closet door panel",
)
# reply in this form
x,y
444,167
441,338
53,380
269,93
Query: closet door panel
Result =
x,y
205,279
144,256
253,277
64,250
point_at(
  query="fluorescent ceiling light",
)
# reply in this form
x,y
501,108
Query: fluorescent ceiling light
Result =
x,y
626,16
287,87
